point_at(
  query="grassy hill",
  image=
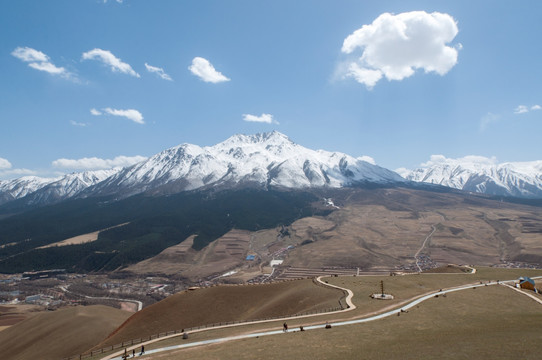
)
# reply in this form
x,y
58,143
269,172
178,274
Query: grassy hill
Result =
x,y
490,322
61,333
225,303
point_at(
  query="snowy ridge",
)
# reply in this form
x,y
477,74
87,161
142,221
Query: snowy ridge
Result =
x,y
269,159
36,190
481,175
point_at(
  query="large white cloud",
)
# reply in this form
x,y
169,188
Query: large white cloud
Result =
x,y
395,46
206,71
263,118
95,163
130,114
106,57
39,61
158,71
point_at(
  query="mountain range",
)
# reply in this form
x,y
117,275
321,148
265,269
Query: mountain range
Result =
x,y
268,160
481,175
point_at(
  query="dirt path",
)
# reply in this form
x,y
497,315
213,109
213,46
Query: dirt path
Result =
x,y
421,248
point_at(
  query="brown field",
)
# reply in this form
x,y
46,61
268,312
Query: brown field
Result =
x,y
489,323
13,314
61,333
387,227
374,230
226,303
219,257
81,239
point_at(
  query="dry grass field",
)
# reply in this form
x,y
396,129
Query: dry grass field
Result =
x,y
490,322
81,239
217,258
386,227
378,229
61,333
226,303
13,314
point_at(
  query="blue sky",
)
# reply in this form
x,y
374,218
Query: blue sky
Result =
x,y
92,84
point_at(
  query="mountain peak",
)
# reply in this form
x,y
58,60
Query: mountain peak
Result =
x,y
273,137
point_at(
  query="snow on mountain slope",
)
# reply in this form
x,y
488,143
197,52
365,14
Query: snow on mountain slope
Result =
x,y
269,159
37,190
482,175
20,187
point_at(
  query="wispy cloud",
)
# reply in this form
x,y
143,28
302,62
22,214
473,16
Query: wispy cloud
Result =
x,y
94,163
40,61
6,170
263,118
95,112
395,46
205,70
130,114
106,57
488,119
158,71
522,109
75,123
4,164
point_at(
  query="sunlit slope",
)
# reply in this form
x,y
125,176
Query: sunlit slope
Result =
x,y
226,303
61,333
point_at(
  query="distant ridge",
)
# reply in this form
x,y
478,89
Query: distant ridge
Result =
x,y
262,160
481,175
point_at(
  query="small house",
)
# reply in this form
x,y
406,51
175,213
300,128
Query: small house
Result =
x,y
526,283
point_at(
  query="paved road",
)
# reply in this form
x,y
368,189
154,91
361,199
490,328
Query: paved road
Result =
x,y
393,312
137,302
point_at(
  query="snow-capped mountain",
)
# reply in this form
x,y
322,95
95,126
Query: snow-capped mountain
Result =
x,y
265,160
481,175
18,188
36,190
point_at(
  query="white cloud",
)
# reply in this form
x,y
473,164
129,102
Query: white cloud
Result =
x,y
363,75
130,114
368,159
4,164
95,112
7,172
95,163
205,70
39,61
395,46
75,123
488,119
106,57
522,109
466,160
15,173
263,118
159,71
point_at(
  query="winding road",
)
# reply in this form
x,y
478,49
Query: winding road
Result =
x,y
394,312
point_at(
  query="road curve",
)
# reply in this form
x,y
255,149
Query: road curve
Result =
x,y
394,312
349,303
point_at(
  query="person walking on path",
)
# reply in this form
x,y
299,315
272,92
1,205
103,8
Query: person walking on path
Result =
x,y
285,327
